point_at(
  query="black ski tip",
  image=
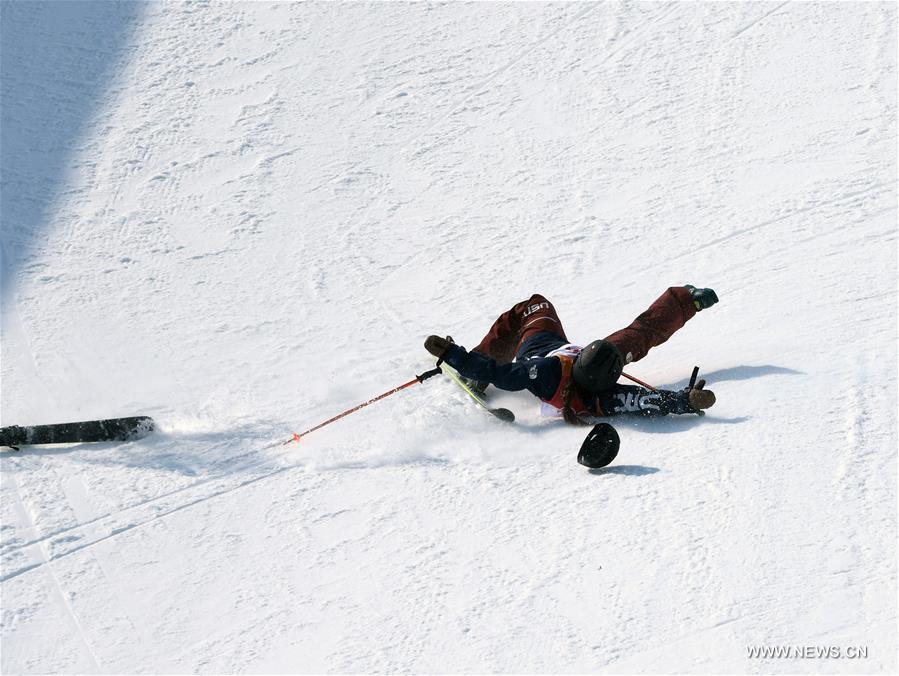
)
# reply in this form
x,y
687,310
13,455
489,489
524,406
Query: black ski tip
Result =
x,y
503,414
600,447
143,425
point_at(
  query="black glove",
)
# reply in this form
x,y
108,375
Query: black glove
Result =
x,y
437,345
702,298
699,397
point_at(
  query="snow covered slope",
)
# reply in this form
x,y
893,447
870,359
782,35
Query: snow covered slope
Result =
x,y
243,218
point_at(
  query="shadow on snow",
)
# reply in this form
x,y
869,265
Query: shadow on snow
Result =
x,y
57,61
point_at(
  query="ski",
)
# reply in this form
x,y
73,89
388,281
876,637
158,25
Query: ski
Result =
x,y
113,429
503,414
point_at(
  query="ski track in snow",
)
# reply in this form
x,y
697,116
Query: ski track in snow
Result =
x,y
244,218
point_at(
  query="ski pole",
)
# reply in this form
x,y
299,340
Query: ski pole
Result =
x,y
648,386
639,382
418,379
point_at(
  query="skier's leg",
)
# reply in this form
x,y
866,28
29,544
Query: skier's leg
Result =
x,y
667,314
514,326
540,317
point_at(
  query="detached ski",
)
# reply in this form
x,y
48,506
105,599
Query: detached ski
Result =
x,y
503,414
113,429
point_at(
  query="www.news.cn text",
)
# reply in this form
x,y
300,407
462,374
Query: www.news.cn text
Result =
x,y
807,652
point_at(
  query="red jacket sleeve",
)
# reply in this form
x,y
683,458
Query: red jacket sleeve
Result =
x,y
667,314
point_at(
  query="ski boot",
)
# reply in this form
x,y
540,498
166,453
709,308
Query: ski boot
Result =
x,y
479,387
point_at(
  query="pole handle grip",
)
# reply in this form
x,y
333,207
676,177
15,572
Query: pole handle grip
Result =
x,y
693,377
430,374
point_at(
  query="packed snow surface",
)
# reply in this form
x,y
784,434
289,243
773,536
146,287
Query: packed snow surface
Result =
x,y
244,218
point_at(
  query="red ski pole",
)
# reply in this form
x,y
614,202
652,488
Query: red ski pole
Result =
x,y
648,386
639,382
418,379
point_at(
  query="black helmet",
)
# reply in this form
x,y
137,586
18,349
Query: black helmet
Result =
x,y
600,447
598,366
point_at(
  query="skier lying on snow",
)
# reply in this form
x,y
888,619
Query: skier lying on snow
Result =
x,y
526,349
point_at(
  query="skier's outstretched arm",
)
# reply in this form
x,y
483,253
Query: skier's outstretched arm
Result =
x,y
630,399
540,376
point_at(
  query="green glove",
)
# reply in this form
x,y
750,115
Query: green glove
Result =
x,y
702,298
